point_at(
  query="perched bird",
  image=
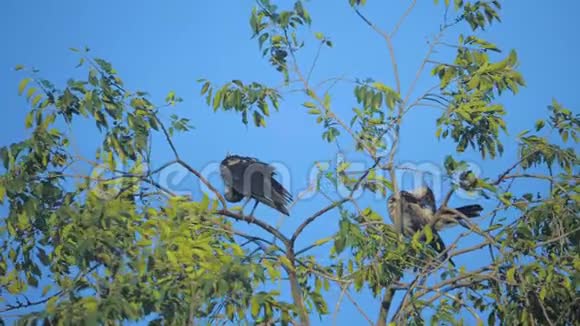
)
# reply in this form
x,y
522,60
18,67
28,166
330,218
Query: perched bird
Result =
x,y
418,209
246,177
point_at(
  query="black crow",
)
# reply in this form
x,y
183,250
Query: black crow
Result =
x,y
419,209
246,177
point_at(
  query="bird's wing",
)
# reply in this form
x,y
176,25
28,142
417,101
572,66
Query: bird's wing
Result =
x,y
414,217
405,198
408,197
266,189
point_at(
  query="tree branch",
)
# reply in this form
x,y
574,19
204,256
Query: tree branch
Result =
x,y
385,306
387,39
58,294
358,307
204,181
252,220
315,216
402,18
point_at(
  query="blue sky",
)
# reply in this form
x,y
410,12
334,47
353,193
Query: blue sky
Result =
x,y
166,46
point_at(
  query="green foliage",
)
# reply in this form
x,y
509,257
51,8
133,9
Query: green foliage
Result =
x,y
536,150
371,118
114,246
274,29
477,14
469,87
243,98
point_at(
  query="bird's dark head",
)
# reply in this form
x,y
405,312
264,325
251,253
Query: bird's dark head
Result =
x,y
231,159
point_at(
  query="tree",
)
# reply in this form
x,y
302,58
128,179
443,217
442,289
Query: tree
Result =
x,y
114,244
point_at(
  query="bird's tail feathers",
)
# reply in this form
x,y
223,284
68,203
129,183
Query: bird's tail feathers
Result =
x,y
451,216
470,210
281,197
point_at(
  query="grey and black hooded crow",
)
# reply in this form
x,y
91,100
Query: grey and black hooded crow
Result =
x,y
246,177
418,209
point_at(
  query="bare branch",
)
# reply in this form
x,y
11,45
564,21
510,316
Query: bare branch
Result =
x,y
403,17
315,216
338,303
387,39
419,72
252,220
167,137
360,310
204,181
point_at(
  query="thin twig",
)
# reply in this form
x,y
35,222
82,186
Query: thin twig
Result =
x,y
402,18
58,294
252,220
312,218
338,303
314,61
387,39
350,298
204,181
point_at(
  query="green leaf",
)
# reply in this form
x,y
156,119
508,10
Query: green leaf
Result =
x,y
255,307
45,289
29,119
23,85
319,36
217,99
286,262
204,202
259,120
309,105
382,87
238,251
2,193
326,102
204,88
30,92
322,241
170,98
51,305
339,244
36,99
511,275
428,233
18,67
